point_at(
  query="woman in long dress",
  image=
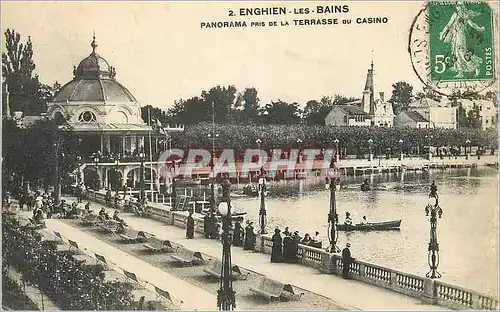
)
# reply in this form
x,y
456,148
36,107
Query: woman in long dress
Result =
x,y
277,249
464,60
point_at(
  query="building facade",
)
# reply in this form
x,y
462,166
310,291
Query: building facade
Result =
x,y
411,119
487,111
113,139
348,115
372,111
439,114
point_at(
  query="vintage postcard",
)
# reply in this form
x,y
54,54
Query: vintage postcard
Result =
x,y
250,155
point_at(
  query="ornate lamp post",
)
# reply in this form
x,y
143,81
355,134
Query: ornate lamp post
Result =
x,y
226,294
262,211
400,149
337,152
370,142
97,159
142,156
78,174
435,211
331,184
212,136
467,151
117,164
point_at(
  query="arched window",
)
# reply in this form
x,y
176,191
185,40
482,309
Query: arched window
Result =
x,y
87,116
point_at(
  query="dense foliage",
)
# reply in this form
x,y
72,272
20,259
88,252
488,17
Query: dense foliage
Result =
x,y
351,139
69,284
13,296
38,153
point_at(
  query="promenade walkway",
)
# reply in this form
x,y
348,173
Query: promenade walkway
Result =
x,y
349,294
194,298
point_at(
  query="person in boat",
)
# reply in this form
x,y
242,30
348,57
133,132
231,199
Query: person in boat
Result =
x,y
107,198
190,226
434,189
87,210
348,220
138,209
346,261
237,234
306,240
38,216
315,242
364,222
250,238
277,249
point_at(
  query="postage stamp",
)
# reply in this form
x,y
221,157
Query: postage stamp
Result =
x,y
451,46
461,41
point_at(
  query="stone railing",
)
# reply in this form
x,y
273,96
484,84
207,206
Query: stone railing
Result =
x,y
428,290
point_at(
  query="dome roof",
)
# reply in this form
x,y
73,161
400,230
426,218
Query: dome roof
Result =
x,y
94,90
94,81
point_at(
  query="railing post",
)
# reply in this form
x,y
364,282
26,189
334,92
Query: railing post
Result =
x,y
429,291
394,279
476,304
362,270
326,263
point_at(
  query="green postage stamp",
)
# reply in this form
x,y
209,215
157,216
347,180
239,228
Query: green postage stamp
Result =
x,y
461,41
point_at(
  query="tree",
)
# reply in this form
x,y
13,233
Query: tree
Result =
x,y
17,68
281,113
474,118
429,93
402,95
315,112
224,100
250,105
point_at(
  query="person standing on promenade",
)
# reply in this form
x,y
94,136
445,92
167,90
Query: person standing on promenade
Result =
x,y
346,261
238,231
250,238
277,250
107,197
190,226
206,225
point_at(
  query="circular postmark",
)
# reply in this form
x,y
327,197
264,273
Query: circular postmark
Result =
x,y
452,47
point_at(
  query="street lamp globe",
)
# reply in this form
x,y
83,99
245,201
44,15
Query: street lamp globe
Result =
x,y
336,141
223,208
400,141
262,181
370,141
258,141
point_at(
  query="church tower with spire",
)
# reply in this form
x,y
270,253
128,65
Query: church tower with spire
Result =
x,y
374,103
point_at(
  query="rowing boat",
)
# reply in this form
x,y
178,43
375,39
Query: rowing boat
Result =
x,y
375,226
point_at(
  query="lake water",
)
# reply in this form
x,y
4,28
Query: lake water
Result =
x,y
467,232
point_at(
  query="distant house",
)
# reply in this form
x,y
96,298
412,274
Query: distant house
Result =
x,y
410,119
439,114
487,111
347,115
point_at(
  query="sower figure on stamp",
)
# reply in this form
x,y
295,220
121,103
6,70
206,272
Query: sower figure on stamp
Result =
x,y
346,261
455,33
190,226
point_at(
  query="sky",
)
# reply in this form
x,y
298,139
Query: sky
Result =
x,y
161,54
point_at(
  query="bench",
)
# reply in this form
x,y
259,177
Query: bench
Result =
x,y
196,259
90,219
133,236
157,245
274,290
216,270
109,226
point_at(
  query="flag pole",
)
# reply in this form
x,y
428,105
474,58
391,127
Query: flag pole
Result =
x,y
150,154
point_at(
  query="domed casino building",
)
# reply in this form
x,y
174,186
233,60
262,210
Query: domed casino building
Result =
x,y
106,117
